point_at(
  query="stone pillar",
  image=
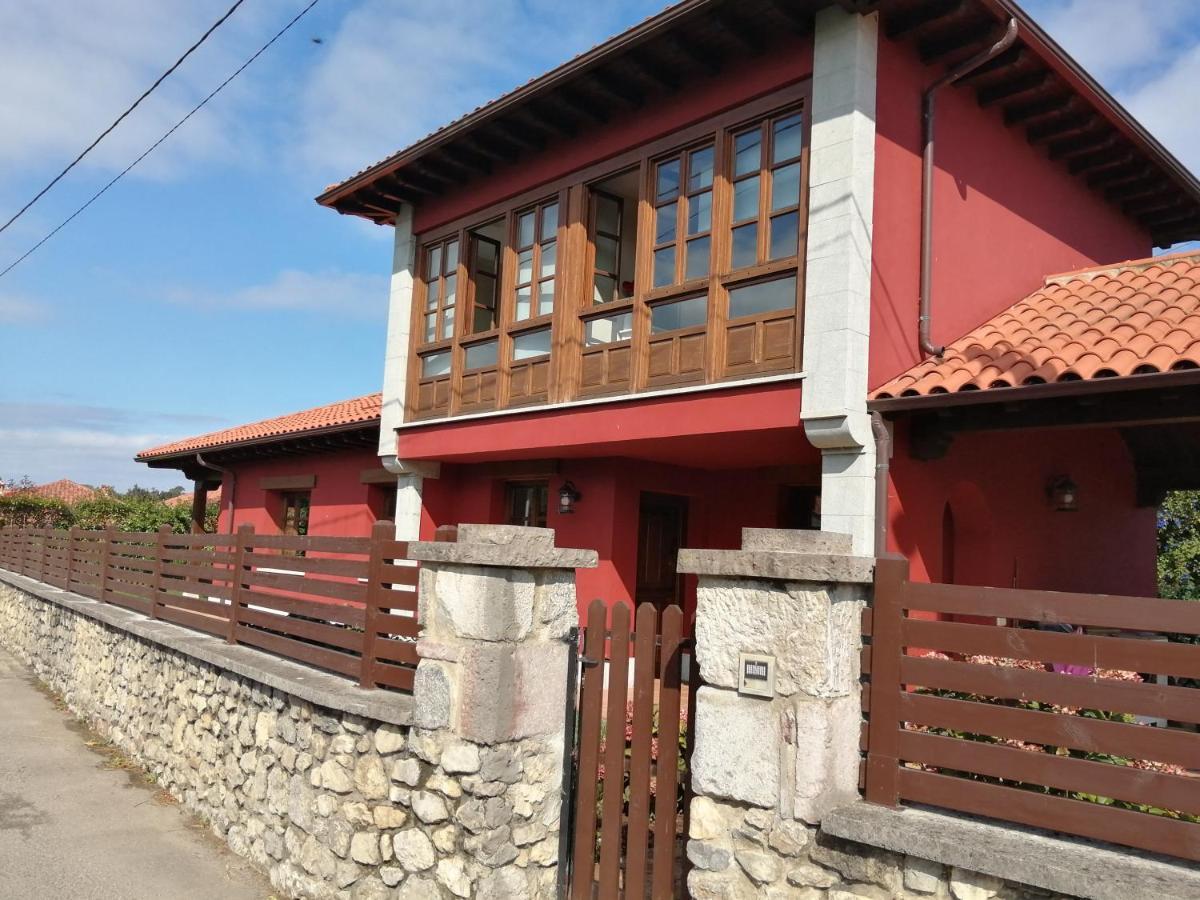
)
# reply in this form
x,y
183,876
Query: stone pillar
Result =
x,y
496,611
837,286
766,769
410,485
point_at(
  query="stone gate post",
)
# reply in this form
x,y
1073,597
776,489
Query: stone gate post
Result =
x,y
777,734
495,611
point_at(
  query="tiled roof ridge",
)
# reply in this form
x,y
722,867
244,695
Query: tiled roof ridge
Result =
x,y
362,409
1110,269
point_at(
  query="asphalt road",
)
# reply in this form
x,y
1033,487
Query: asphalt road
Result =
x,y
74,827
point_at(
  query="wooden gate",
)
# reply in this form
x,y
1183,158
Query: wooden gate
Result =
x,y
633,740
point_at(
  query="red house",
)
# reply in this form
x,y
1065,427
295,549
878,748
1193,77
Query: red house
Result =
x,y
310,472
699,277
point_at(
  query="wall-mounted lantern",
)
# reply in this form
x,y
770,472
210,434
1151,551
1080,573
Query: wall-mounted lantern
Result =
x,y
1063,494
568,496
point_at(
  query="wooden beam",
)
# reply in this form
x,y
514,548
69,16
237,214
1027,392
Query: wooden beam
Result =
x,y
703,58
959,40
1020,113
738,29
1017,87
1067,148
612,86
652,71
1101,159
798,22
578,104
1070,124
514,132
1004,66
468,157
921,16
488,150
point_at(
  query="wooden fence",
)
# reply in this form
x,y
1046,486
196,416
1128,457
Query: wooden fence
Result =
x,y
343,604
1018,713
631,778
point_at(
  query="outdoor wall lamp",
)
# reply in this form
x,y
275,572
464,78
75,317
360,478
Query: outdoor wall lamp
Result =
x,y
1063,494
568,496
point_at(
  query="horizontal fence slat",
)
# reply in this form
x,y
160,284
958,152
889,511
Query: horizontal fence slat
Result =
x,y
1077,817
352,592
406,575
299,651
136,604
1165,745
386,623
1127,654
310,543
199,556
1068,773
207,624
197,571
1096,610
397,651
217,608
400,677
315,565
173,586
199,540
345,638
334,612
1178,704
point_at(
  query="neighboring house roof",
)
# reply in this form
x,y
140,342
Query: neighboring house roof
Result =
x,y
214,496
64,489
1035,83
332,416
1133,318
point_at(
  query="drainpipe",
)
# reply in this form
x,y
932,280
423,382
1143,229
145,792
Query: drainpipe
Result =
x,y
232,484
925,323
883,456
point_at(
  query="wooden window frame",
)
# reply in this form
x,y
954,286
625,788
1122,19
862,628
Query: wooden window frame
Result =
x,y
765,173
289,500
440,306
510,489
572,306
472,296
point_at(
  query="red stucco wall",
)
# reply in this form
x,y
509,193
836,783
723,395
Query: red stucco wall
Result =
x,y
1006,530
1005,215
342,506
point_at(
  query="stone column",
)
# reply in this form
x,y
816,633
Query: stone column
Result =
x,y
766,769
496,609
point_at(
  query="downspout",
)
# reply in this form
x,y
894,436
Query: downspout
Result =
x,y
925,323
232,484
883,456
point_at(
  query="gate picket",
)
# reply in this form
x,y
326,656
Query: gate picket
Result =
x,y
583,867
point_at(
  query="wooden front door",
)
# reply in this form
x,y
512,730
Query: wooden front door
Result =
x,y
662,525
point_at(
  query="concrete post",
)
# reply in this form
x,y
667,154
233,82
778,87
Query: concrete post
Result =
x,y
496,610
766,769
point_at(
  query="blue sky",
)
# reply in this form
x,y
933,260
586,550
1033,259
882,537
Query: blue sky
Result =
x,y
207,288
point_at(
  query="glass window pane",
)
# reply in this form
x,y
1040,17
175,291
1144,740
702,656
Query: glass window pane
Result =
x,y
664,218
664,266
785,236
549,256
451,256
608,329
525,229
785,186
523,299
697,257
666,182
745,245
479,356
700,169
745,199
525,267
534,343
485,319
430,327
433,263
788,135
747,152
606,254
608,214
765,296
604,289
435,364
546,297
487,256
699,213
680,314
431,298
450,289
549,221
448,322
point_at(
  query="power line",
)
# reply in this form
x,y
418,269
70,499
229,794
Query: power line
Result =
x,y
195,109
146,93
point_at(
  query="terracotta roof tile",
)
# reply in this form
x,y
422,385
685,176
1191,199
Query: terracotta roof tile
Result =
x,y
346,412
64,489
1132,318
214,496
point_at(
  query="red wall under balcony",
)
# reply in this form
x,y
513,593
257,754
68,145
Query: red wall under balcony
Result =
x,y
342,506
1005,215
1004,526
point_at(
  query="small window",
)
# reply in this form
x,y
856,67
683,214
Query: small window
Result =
x,y
526,502
483,270
435,365
381,500
608,329
537,261
613,233
762,297
441,290
481,356
683,216
531,344
766,191
679,314
294,518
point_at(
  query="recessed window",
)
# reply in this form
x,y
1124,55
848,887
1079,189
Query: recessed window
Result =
x,y
613,232
531,344
679,314
537,261
526,503
762,297
435,365
441,290
608,329
294,515
683,216
481,356
483,271
766,176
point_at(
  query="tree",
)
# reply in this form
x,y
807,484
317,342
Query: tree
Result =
x,y
1179,546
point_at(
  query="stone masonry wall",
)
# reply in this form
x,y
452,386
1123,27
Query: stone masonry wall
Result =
x,y
331,805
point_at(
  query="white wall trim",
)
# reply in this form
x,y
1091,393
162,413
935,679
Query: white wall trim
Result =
x,y
399,328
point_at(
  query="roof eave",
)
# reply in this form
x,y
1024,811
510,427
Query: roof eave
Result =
x,y
188,455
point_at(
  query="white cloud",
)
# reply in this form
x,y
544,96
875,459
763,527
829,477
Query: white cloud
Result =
x,y
21,311
88,456
1164,106
346,293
